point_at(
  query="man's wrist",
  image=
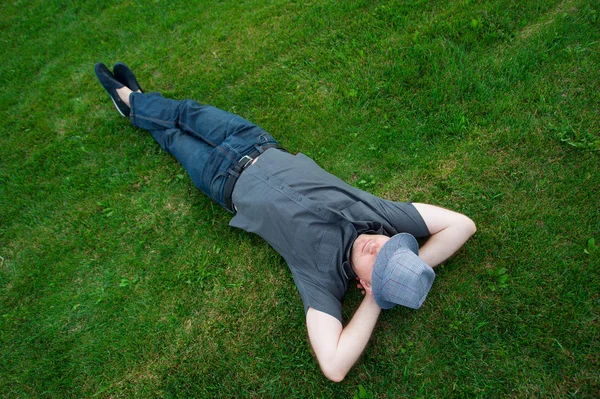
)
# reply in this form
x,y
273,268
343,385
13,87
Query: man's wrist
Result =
x,y
370,300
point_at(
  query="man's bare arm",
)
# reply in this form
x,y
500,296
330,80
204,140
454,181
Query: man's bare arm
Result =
x,y
337,348
449,231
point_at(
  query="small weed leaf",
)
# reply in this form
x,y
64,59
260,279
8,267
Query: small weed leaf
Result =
x,y
578,138
591,246
406,347
362,393
367,182
352,93
592,15
475,24
499,278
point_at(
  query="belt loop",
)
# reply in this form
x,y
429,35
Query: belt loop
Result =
x,y
236,170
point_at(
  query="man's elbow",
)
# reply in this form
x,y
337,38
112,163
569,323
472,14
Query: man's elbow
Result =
x,y
469,226
333,373
334,376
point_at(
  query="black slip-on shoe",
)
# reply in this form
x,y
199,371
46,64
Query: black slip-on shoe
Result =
x,y
124,75
110,84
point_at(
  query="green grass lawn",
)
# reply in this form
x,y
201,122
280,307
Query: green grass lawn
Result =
x,y
119,279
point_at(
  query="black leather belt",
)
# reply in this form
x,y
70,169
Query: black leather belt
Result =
x,y
238,168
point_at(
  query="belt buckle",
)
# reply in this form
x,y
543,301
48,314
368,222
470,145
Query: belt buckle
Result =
x,y
245,161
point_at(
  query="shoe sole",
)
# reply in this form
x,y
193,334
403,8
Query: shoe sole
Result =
x,y
116,106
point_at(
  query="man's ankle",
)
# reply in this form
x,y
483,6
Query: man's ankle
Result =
x,y
124,93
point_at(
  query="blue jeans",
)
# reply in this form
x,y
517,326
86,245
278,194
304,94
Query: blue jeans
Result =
x,y
207,141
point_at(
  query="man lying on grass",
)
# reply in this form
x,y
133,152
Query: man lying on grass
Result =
x,y
328,232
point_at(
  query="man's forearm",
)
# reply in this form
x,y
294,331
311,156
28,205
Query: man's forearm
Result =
x,y
449,231
445,243
357,333
352,341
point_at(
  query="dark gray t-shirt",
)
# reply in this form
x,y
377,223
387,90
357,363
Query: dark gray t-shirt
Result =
x,y
311,218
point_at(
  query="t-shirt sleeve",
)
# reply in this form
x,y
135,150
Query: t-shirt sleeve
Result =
x,y
404,217
319,297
